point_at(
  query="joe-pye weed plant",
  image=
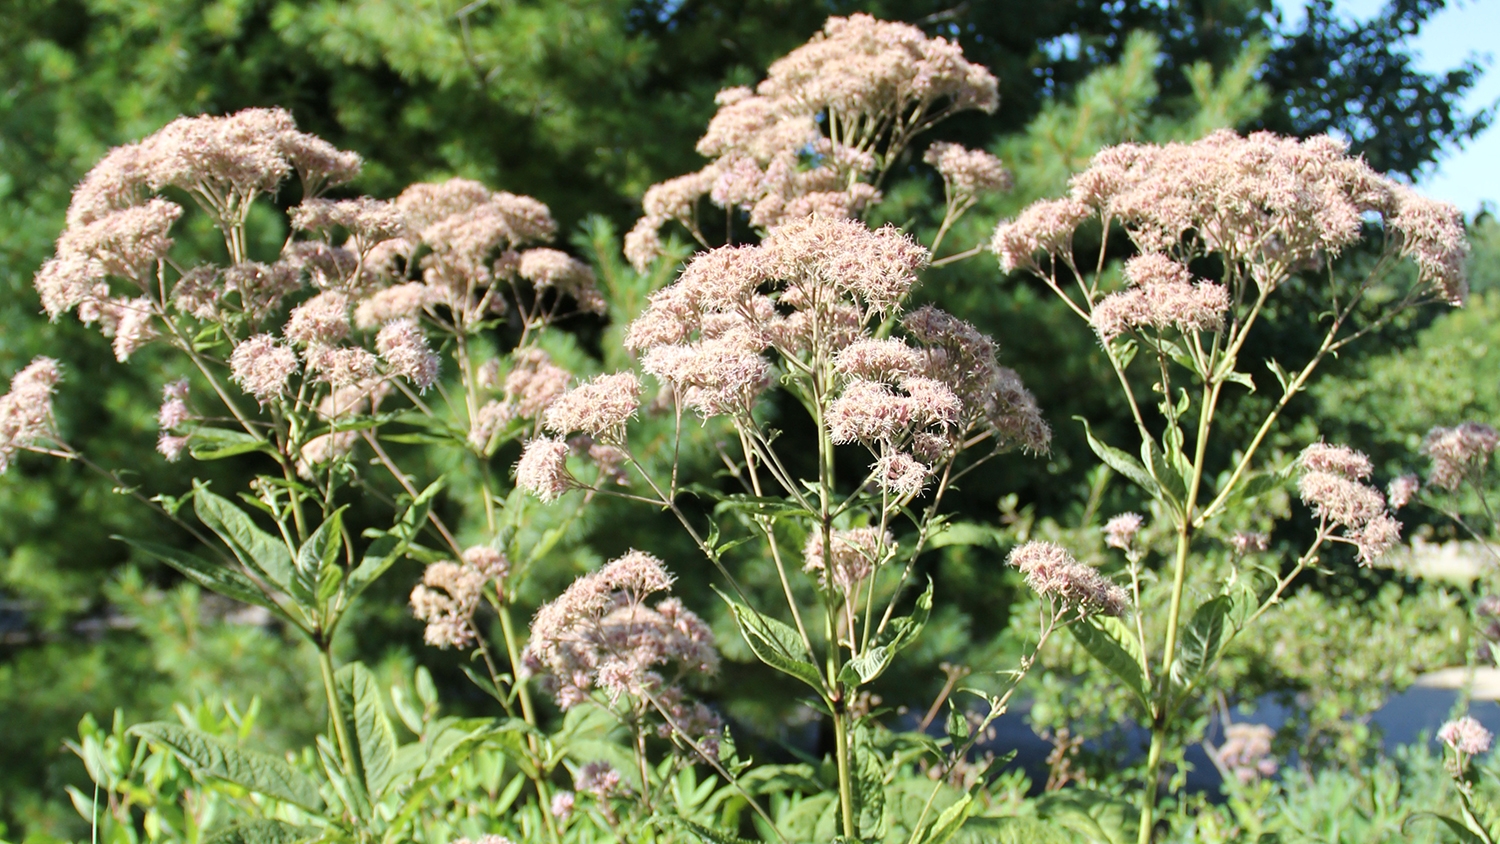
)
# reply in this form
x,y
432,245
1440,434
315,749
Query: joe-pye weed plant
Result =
x,y
382,327
1220,226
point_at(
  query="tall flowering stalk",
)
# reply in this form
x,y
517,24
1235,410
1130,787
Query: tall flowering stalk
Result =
x,y
1219,227
375,324
817,309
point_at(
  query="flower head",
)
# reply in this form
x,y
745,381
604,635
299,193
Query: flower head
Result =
x,y
262,366
600,407
404,349
1458,452
543,469
1120,531
1053,573
1466,736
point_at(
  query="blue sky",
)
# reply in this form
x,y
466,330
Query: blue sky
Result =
x,y
1469,176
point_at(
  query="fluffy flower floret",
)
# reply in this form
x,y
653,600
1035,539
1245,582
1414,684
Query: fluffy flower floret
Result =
x,y
1121,531
1466,736
1053,573
262,366
1046,226
26,411
1331,484
600,407
877,267
450,592
1458,452
543,469
967,173
404,349
601,634
322,319
1162,296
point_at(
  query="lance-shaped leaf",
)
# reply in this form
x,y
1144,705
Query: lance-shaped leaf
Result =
x,y
219,443
897,636
867,775
1120,461
213,576
360,699
1108,640
209,756
259,551
775,643
1201,640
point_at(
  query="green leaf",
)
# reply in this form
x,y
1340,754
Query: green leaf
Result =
x,y
218,443
386,550
321,549
208,756
1094,816
360,697
212,576
1114,645
949,822
1201,640
258,550
710,836
261,831
957,725
1165,473
1120,461
1242,378
775,643
1283,377
1455,826
759,505
867,777
900,633
1014,831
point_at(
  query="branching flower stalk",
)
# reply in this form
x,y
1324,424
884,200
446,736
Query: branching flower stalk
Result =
x,y
1261,212
329,338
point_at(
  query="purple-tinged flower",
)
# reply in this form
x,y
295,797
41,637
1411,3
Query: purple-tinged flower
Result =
x,y
1053,573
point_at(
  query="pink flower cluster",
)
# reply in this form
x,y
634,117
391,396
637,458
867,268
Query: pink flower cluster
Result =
x,y
1161,295
1458,452
600,407
1265,201
600,634
1120,532
1466,736
26,411
1246,752
870,84
1332,484
1052,573
967,173
117,229
450,592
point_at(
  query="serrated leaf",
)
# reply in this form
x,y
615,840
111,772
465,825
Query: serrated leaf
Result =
x,y
1455,826
897,636
209,756
259,551
775,643
209,575
1119,460
321,549
261,831
1242,378
710,836
867,778
1108,640
957,726
1201,639
360,698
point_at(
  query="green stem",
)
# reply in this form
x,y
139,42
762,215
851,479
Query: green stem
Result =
x,y
841,750
1148,803
507,629
336,713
